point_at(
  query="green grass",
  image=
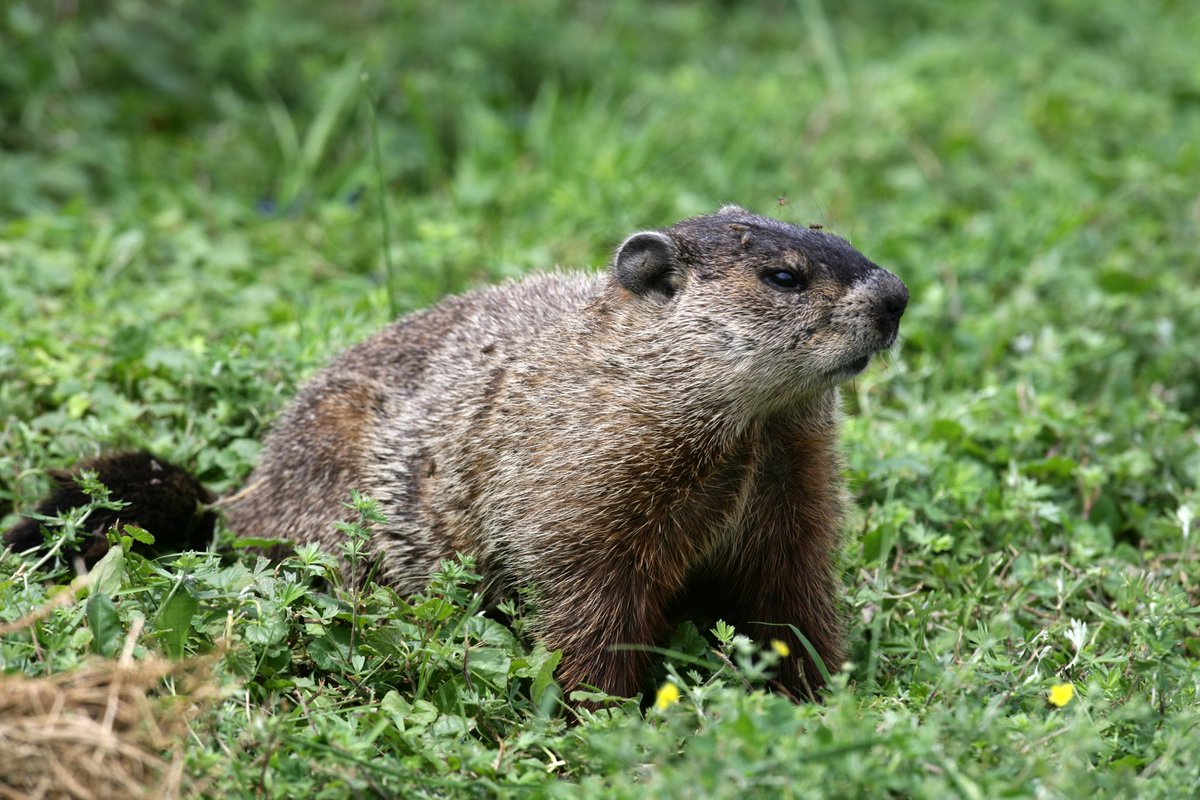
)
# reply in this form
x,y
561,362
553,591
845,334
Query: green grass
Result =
x,y
190,225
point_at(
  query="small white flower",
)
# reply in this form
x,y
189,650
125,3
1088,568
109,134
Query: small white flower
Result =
x,y
1077,634
1185,515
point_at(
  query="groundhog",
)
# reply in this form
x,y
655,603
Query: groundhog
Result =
x,y
657,441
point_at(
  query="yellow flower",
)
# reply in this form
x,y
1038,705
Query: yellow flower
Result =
x,y
1061,694
668,693
781,648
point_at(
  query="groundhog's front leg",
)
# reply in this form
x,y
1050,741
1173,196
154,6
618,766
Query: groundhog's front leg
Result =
x,y
782,578
807,605
592,618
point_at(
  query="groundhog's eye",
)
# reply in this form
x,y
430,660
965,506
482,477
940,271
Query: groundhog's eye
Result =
x,y
783,279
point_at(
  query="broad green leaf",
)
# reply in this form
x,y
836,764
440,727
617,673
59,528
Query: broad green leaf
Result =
x,y
105,624
174,620
545,676
105,577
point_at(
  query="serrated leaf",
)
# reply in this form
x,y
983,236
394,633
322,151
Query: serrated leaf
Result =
x,y
331,651
491,664
268,630
139,534
240,661
408,716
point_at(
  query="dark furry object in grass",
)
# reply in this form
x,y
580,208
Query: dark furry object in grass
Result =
x,y
162,498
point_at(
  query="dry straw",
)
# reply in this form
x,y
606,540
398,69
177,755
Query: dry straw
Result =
x,y
105,731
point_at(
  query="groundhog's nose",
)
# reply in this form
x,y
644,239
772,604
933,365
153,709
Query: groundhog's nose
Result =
x,y
893,300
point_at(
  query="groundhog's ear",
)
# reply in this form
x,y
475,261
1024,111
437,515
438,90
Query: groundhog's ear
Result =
x,y
647,264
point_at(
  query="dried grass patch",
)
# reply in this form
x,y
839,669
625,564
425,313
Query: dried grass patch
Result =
x,y
105,731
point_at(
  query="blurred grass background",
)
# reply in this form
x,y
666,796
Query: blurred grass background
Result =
x,y
189,225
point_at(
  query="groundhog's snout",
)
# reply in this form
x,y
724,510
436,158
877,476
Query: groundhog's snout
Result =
x,y
893,299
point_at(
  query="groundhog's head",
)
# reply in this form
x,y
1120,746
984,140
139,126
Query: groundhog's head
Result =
x,y
782,310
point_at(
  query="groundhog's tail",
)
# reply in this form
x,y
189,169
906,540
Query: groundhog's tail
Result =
x,y
161,498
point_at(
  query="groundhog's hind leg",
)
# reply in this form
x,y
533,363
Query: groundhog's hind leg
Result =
x,y
312,460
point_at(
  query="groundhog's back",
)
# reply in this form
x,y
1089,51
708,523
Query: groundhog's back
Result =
x,y
367,420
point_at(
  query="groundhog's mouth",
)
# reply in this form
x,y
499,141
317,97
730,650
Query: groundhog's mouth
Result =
x,y
851,368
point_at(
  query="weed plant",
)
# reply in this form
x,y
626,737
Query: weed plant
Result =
x,y
200,203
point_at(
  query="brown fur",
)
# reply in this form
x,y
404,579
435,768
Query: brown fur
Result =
x,y
658,440
624,445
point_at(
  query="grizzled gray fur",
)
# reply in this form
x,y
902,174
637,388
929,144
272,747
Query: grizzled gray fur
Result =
x,y
654,442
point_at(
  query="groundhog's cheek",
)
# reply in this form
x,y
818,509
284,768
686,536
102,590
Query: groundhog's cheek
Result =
x,y
825,349
734,346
